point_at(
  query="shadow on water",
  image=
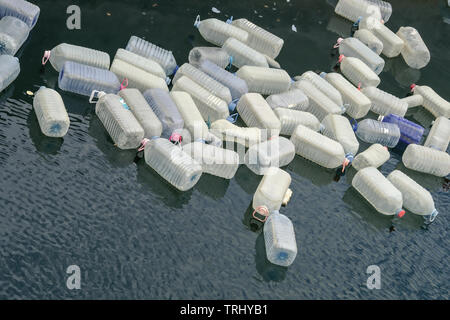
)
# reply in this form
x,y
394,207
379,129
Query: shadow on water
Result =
x,y
153,182
249,222
428,181
403,74
318,175
268,270
247,180
424,117
212,186
6,93
340,26
41,142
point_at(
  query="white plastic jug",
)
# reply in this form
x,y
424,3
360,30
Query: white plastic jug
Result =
x,y
338,128
369,39
426,160
414,100
9,70
374,156
372,131
433,102
13,33
265,81
217,32
353,9
272,189
385,8
243,55
352,47
291,118
415,52
216,55
234,134
146,64
384,103
324,86
21,9
293,99
357,72
439,136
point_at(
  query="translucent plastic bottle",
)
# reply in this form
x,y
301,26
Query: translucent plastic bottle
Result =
x,y
410,132
356,103
23,10
384,103
319,104
432,101
83,79
136,77
265,81
232,133
172,163
243,55
237,86
216,55
149,50
317,148
193,120
276,152
324,86
291,118
68,52
293,99
211,107
415,52
357,72
119,121
260,39
142,112
51,113
369,39
426,160
379,191
255,112
217,32
338,128
203,80
13,33
416,199
166,111
353,9
414,100
272,63
279,238
385,9
372,131
439,136
9,70
352,47
272,189
214,160
374,156
146,64
392,44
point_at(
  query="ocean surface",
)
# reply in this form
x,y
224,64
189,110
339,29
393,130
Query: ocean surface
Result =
x,y
81,201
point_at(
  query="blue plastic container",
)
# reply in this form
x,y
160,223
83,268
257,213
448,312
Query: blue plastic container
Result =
x,y
410,132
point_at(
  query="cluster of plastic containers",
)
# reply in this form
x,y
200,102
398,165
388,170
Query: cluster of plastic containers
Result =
x,y
183,118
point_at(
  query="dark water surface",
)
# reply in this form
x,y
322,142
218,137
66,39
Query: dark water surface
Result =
x,y
79,200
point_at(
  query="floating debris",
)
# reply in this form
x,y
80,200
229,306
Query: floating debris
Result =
x,y
294,28
215,10
29,93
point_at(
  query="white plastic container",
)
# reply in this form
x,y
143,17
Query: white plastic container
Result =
x,y
142,112
255,112
319,104
439,136
193,120
203,80
392,44
214,160
211,107
370,40
321,84
414,100
51,113
385,9
9,70
234,134
293,99
352,47
356,103
13,33
146,64
119,121
279,238
276,152
357,72
166,110
137,78
172,163
291,118
415,52
23,10
272,189
372,131
415,198
317,148
353,9
272,63
149,50
384,103
243,55
217,32
426,160
265,81
260,39
432,101
379,191
338,128
374,156
68,52
216,55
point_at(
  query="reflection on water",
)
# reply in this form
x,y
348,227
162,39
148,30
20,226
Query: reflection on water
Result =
x,y
212,186
42,143
340,26
318,175
268,270
423,117
403,74
247,180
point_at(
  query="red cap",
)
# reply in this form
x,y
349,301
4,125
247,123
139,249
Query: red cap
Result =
x,y
412,86
341,57
401,214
